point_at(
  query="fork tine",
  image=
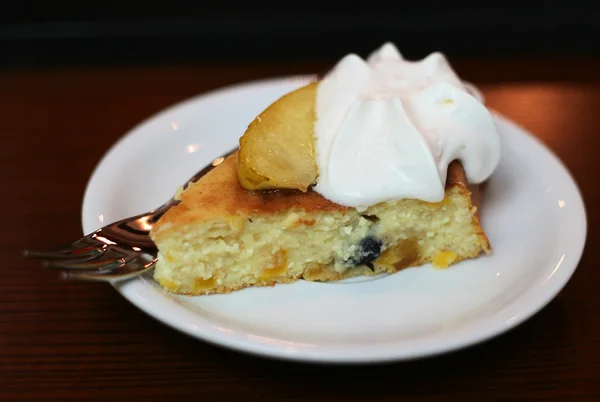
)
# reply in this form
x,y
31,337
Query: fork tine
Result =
x,y
84,247
100,264
125,271
88,253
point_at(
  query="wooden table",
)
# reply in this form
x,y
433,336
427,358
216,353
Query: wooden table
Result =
x,y
82,341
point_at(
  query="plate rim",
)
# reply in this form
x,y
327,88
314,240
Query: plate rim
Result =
x,y
280,353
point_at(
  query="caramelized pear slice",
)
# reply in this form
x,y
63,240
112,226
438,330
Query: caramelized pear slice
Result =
x,y
277,150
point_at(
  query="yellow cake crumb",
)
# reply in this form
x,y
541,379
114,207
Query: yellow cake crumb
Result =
x,y
444,259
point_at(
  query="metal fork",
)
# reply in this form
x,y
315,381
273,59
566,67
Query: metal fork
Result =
x,y
117,251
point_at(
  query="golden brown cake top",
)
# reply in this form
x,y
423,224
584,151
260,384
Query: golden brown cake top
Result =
x,y
219,195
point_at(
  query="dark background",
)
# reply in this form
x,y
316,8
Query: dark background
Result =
x,y
72,341
78,33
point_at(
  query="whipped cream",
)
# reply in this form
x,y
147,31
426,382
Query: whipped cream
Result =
x,y
387,128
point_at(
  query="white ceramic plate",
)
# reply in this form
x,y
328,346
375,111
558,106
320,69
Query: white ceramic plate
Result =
x,y
532,211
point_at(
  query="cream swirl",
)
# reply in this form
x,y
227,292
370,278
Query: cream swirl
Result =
x,y
388,128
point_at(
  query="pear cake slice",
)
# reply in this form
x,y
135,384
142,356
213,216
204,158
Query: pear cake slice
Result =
x,y
221,237
256,219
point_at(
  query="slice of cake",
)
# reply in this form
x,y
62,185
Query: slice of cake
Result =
x,y
221,237
373,169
